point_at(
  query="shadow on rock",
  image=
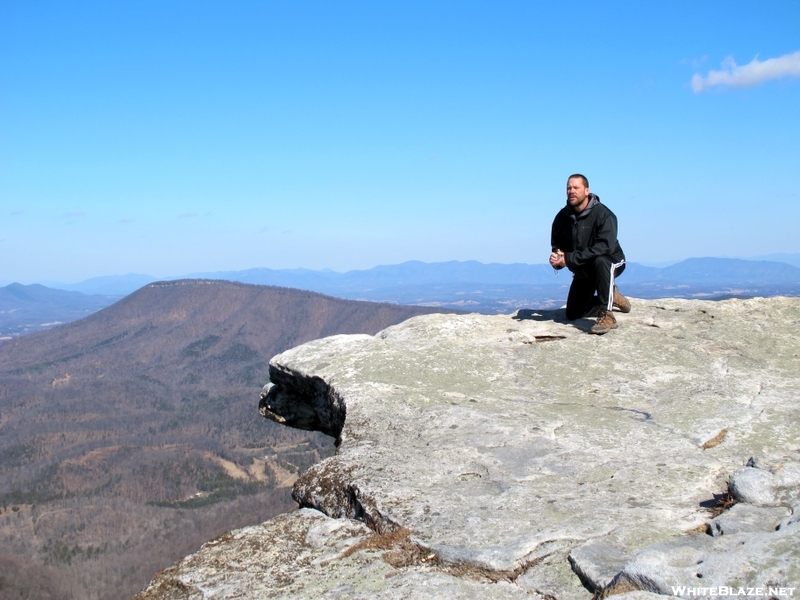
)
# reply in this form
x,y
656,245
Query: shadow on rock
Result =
x,y
556,316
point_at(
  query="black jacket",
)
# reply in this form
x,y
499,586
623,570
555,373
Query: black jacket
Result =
x,y
587,235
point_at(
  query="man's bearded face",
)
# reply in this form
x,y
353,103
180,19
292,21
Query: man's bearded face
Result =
x,y
577,193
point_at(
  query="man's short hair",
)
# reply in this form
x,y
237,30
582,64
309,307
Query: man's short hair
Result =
x,y
579,176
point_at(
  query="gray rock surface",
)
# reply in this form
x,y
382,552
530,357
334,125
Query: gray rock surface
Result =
x,y
638,595
768,487
308,555
597,562
749,560
742,518
509,448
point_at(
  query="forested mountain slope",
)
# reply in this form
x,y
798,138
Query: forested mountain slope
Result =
x,y
132,436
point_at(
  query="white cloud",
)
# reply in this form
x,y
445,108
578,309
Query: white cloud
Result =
x,y
753,73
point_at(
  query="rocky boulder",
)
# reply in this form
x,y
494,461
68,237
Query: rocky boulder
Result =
x,y
503,456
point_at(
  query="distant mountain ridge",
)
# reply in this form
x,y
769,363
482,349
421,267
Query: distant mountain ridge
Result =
x,y
28,308
784,257
466,285
415,273
732,271
114,285
407,273
512,286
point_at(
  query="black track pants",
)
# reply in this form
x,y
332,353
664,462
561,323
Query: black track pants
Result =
x,y
596,276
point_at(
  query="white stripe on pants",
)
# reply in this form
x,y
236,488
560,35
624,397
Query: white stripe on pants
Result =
x,y
611,284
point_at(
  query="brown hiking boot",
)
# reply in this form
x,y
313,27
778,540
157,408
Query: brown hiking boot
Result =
x,y
621,303
605,322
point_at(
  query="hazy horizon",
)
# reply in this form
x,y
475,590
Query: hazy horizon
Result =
x,y
55,282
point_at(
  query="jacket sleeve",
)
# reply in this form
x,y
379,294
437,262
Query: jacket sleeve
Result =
x,y
603,240
556,236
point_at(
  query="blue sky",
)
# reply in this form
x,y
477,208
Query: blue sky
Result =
x,y
174,137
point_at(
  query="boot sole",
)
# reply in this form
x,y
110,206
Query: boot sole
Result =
x,y
623,308
598,331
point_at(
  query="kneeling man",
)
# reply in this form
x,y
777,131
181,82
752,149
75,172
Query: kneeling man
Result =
x,y
584,239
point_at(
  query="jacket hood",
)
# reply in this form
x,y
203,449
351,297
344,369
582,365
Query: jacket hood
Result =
x,y
594,199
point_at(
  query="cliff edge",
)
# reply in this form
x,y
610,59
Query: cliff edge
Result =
x,y
515,457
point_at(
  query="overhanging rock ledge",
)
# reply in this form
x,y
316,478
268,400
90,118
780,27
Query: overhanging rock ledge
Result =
x,y
497,456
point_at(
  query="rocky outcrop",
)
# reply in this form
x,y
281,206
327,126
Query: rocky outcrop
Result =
x,y
498,456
